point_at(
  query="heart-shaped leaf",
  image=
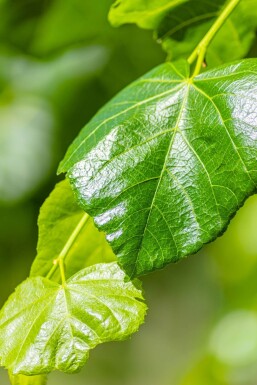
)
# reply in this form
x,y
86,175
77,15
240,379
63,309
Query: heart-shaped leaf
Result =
x,y
46,326
166,164
65,228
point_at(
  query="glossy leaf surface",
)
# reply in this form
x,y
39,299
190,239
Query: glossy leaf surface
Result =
x,y
45,326
60,217
164,166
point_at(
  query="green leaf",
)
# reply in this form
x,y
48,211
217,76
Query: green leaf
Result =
x,y
232,41
146,14
20,379
164,166
181,25
46,326
59,220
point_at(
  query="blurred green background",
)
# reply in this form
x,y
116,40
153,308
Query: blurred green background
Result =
x,y
60,61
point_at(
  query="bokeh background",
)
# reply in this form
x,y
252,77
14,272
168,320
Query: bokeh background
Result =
x,y
59,62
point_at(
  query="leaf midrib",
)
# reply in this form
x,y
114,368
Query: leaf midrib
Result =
x,y
183,103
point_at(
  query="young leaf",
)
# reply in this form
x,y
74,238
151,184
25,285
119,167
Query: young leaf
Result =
x,y
146,14
165,165
61,222
46,326
20,379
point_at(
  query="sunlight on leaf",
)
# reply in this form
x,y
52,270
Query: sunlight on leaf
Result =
x,y
46,326
165,165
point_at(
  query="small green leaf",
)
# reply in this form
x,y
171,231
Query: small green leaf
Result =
x,y
164,166
60,217
20,379
45,326
146,13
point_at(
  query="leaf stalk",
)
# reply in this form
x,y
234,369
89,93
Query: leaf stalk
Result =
x,y
67,247
200,50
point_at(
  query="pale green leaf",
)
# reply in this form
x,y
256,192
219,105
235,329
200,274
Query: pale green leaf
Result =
x,y
61,218
146,13
46,326
164,166
20,379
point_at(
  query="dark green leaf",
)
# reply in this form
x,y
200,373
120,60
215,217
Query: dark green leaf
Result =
x,y
46,326
59,218
164,166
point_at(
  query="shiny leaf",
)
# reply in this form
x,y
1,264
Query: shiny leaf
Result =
x,y
164,166
46,326
59,219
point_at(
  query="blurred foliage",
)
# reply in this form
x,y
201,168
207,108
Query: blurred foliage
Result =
x,y
60,61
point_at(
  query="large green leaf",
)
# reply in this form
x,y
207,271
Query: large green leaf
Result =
x,y
62,222
46,326
145,13
164,166
181,27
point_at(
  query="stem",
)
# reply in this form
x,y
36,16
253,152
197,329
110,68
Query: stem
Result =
x,y
59,261
199,51
62,271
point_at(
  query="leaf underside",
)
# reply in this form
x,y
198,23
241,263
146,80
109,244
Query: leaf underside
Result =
x,y
164,166
45,326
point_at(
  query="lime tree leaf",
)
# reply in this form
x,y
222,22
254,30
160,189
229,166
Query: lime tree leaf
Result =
x,y
232,41
145,13
20,379
46,326
61,220
181,26
164,166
